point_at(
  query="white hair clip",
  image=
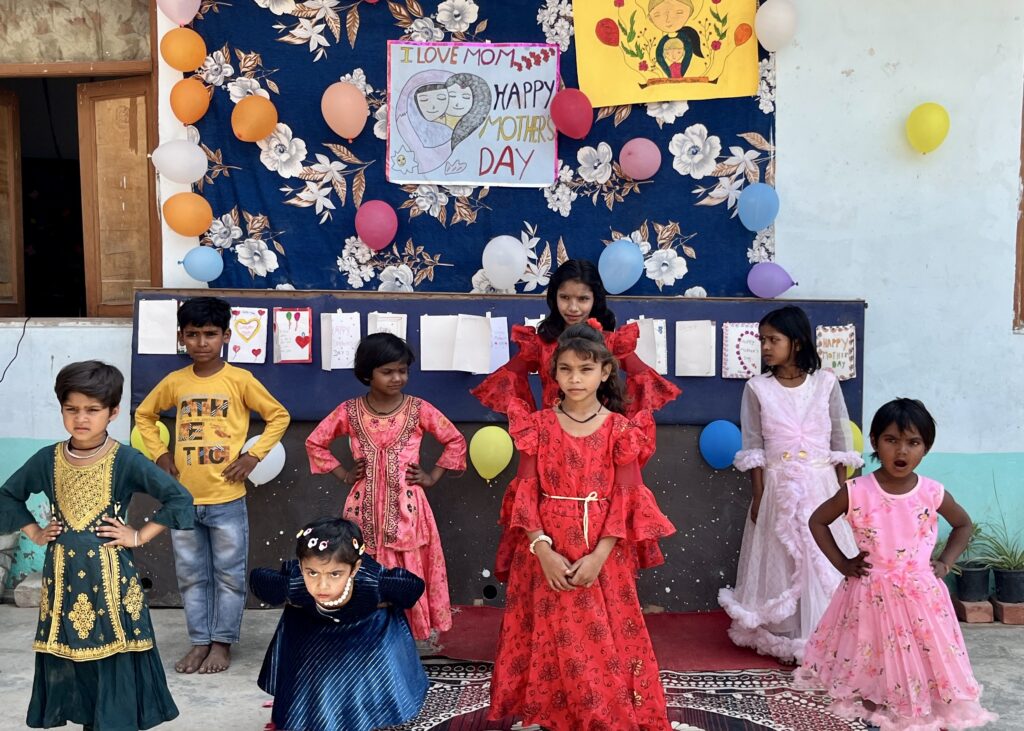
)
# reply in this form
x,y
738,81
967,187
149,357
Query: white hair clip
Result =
x,y
323,545
312,542
299,534
307,531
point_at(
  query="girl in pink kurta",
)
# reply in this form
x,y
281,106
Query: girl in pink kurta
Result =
x,y
889,648
385,428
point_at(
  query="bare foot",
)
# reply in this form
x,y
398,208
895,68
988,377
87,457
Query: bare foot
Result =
x,y
787,661
193,659
218,660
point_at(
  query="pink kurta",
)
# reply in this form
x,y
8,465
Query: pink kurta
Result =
x,y
395,517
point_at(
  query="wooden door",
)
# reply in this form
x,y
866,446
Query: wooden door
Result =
x,y
118,194
12,247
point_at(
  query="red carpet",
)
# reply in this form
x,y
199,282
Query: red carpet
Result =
x,y
683,641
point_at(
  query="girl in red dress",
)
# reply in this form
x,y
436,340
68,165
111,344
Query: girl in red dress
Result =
x,y
574,653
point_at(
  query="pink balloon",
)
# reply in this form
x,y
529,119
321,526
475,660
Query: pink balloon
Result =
x,y
640,158
572,113
376,224
345,109
767,279
180,11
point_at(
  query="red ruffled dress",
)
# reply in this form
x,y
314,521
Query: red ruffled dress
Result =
x,y
579,659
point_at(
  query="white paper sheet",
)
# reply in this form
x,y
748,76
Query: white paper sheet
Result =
x,y
248,343
499,343
741,350
339,338
695,348
293,335
473,338
652,347
837,348
534,322
158,327
437,341
387,322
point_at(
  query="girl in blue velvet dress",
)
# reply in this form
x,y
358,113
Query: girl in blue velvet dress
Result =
x,y
343,655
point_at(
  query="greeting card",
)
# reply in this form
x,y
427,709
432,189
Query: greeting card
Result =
x,y
293,338
741,350
248,343
695,348
339,338
837,347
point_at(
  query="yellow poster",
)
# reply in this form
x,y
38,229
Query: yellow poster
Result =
x,y
633,51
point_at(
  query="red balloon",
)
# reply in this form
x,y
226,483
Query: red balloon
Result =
x,y
572,113
376,224
607,32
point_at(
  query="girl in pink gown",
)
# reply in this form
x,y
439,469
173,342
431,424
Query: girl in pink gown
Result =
x,y
387,500
796,445
889,648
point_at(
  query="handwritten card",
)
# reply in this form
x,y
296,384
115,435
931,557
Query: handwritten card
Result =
x,y
468,343
837,348
248,343
339,338
652,347
741,350
158,327
499,343
386,322
695,348
293,334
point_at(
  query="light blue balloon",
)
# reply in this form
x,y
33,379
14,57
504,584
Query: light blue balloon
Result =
x,y
203,263
620,266
758,206
719,442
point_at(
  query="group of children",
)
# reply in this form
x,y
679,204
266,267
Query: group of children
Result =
x,y
834,576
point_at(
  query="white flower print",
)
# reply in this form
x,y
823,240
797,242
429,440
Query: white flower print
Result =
x,y
457,15
696,292
744,161
429,198
555,19
281,152
329,170
766,86
285,285
354,262
256,256
763,247
595,164
216,69
424,31
306,30
535,277
695,153
224,232
642,243
560,198
665,266
666,112
319,197
243,87
460,191
321,6
380,125
277,7
356,250
482,285
396,279
728,188
358,79
564,173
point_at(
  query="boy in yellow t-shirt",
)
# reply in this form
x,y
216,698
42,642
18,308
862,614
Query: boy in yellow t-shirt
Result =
x,y
213,400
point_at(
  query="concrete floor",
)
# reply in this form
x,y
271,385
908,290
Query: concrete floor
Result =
x,y
231,700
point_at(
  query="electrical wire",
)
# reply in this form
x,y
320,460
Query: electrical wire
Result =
x,y
17,349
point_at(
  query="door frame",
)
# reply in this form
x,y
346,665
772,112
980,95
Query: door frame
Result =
x,y
15,308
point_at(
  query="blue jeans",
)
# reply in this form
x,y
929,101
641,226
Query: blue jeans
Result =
x,y
210,562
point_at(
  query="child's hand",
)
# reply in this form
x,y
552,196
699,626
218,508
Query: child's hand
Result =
x,y
357,472
940,568
166,462
755,508
42,536
555,567
585,571
415,475
119,533
238,470
855,567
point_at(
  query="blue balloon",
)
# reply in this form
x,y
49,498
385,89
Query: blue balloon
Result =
x,y
719,442
203,263
758,206
620,266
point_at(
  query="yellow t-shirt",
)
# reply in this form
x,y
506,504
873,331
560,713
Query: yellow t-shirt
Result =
x,y
211,425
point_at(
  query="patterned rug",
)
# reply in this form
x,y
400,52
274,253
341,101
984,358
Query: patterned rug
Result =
x,y
719,701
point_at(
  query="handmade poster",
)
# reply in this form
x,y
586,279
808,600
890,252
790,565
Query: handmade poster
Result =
x,y
158,327
248,343
741,350
695,348
386,322
339,338
652,347
837,348
472,113
293,334
635,51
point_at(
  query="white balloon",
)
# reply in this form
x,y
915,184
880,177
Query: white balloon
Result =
x,y
270,466
181,161
775,24
504,261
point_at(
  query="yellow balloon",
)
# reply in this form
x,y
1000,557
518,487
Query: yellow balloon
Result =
x,y
858,446
490,451
136,440
927,126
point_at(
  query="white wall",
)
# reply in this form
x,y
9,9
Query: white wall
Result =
x,y
928,241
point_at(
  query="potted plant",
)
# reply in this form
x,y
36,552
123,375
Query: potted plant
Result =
x,y
1004,554
972,575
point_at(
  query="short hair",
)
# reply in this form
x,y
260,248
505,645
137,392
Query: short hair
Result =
x,y
587,274
792,322
376,350
200,311
904,413
92,378
330,538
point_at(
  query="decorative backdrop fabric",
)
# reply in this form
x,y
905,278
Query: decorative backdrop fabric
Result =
x,y
284,207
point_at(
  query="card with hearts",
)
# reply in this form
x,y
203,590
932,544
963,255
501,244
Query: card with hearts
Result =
x,y
248,343
293,334
741,350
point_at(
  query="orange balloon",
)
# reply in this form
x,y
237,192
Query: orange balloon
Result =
x,y
188,214
253,118
183,49
345,109
189,100
743,34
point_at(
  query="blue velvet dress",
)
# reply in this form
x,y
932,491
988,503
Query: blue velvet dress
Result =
x,y
354,668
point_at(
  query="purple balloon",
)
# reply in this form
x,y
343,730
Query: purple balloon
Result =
x,y
640,158
767,279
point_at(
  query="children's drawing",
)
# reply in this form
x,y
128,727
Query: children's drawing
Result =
x,y
293,339
741,350
471,113
631,51
248,343
837,348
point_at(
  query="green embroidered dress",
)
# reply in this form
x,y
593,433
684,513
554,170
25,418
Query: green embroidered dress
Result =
x,y
96,661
